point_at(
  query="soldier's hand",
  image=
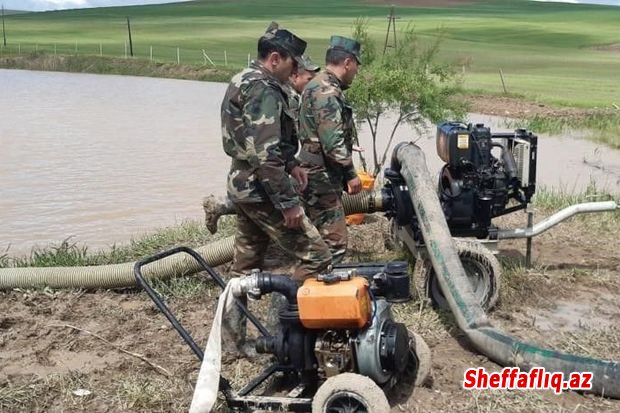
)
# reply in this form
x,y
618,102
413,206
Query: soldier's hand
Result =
x,y
355,185
301,176
293,216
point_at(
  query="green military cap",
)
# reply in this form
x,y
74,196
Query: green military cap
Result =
x,y
347,45
293,44
308,65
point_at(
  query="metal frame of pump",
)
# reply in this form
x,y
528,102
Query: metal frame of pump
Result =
x,y
390,281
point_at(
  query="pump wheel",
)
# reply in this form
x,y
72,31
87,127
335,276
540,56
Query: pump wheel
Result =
x,y
417,372
350,393
422,353
482,268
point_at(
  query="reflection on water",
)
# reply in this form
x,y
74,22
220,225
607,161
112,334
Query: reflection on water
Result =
x,y
104,158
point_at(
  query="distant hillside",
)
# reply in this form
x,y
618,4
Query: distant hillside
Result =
x,y
557,53
7,11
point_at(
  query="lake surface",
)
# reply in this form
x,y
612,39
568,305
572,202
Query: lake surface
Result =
x,y
104,158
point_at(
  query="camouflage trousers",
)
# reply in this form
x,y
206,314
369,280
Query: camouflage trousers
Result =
x,y
260,222
327,214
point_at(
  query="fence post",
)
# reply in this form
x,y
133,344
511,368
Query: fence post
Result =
x,y
178,56
225,58
248,59
151,54
206,56
501,76
19,49
100,49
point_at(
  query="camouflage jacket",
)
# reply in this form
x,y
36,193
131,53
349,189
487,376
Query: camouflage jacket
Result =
x,y
294,99
258,132
326,129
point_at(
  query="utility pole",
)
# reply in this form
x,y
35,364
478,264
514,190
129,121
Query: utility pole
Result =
x,y
3,32
391,25
130,42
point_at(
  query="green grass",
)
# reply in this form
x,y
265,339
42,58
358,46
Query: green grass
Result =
x,y
68,254
605,127
547,51
551,200
555,198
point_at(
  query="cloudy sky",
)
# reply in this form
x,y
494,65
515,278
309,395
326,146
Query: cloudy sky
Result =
x,y
38,5
605,2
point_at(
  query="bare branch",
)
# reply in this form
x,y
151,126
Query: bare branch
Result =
x,y
378,167
157,368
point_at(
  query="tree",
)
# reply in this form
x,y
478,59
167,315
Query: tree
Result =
x,y
409,83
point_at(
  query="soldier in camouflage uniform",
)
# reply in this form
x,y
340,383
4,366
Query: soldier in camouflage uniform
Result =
x,y
258,133
298,81
326,133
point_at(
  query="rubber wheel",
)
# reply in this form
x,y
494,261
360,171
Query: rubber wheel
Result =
x,y
422,353
416,374
350,393
482,268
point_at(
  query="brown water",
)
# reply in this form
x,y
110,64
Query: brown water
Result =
x,y
105,158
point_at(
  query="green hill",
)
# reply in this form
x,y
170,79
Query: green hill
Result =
x,y
559,53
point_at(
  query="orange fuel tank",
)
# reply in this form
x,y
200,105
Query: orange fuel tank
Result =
x,y
344,304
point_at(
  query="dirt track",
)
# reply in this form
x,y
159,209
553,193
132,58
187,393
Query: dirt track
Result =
x,y
43,361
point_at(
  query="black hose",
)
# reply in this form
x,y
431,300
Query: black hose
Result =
x,y
268,283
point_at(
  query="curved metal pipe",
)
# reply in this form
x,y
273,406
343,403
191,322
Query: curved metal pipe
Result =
x,y
470,317
556,218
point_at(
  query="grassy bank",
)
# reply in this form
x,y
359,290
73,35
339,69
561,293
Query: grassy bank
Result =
x,y
604,127
116,66
69,253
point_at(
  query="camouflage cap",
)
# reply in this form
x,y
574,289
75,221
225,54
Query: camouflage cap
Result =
x,y
282,37
308,65
348,45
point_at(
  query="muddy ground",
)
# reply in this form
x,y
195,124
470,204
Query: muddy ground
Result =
x,y
567,301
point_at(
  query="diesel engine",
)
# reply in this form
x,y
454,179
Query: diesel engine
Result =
x,y
485,175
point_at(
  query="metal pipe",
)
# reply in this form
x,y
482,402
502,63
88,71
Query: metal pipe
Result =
x,y
556,218
528,246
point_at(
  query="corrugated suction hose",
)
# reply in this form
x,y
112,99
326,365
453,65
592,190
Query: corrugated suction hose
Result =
x,y
114,275
121,275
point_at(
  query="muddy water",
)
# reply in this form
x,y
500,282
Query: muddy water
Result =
x,y
105,158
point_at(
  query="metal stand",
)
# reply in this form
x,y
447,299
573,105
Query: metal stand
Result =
x,y
528,245
241,400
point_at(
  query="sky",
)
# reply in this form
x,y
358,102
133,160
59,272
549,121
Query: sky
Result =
x,y
605,2
40,5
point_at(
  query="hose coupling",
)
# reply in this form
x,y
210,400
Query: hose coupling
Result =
x,y
247,284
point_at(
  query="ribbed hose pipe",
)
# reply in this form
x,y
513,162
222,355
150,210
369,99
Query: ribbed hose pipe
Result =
x,y
360,203
114,275
121,275
470,317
